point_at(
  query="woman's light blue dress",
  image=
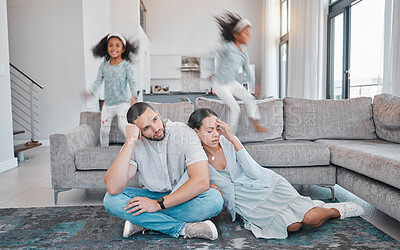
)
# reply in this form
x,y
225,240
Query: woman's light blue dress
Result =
x,y
268,203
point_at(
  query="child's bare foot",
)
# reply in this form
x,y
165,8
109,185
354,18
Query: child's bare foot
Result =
x,y
257,127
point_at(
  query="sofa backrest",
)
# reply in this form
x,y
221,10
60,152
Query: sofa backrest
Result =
x,y
173,111
386,110
328,119
271,117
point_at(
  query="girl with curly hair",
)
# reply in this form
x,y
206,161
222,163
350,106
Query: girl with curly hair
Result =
x,y
116,71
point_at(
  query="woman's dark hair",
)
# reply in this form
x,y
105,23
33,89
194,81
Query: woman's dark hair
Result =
x,y
100,49
226,23
197,117
137,110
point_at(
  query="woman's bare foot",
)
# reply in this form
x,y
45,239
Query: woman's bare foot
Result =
x,y
257,127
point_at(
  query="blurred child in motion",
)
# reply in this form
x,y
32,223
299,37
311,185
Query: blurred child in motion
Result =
x,y
117,73
235,33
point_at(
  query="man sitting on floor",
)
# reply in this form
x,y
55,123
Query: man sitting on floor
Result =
x,y
160,153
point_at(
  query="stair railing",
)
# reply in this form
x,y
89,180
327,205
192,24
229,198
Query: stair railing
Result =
x,y
23,100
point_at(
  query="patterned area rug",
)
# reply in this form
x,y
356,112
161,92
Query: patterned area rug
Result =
x,y
92,228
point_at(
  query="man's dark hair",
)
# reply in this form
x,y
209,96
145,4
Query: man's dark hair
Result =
x,y
137,110
197,117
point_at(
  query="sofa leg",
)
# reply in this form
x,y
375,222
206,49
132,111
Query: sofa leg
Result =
x,y
332,188
56,191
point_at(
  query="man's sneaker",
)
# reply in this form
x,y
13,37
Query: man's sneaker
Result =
x,y
131,229
205,230
318,203
346,209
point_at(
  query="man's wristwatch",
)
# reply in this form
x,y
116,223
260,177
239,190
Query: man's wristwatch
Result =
x,y
161,202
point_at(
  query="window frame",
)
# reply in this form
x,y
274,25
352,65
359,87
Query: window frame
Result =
x,y
284,39
336,8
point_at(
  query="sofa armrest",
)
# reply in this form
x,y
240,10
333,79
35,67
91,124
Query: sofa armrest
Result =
x,y
63,148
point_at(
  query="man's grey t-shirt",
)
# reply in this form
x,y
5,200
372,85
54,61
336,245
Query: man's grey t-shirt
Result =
x,y
161,164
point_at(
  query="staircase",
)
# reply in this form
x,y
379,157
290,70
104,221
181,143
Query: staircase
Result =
x,y
24,92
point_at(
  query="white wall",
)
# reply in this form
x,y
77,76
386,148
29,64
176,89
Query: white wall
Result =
x,y
46,41
51,40
126,20
96,24
101,17
187,27
143,61
7,160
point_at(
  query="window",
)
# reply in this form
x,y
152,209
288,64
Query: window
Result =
x,y
355,48
336,53
366,48
283,47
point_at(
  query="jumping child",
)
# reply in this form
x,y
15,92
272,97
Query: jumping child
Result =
x,y
117,73
235,32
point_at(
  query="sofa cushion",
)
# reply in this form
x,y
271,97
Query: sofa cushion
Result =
x,y
288,153
271,117
387,117
95,179
96,158
328,119
176,112
377,159
309,175
173,111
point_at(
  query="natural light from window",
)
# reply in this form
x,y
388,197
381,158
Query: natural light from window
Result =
x,y
338,55
366,51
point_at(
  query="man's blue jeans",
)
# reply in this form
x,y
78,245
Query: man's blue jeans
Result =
x,y
169,221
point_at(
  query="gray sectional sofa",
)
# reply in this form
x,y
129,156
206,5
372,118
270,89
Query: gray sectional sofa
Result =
x,y
354,143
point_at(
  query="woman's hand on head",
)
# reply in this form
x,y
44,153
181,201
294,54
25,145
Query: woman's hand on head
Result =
x,y
227,133
133,100
225,130
132,133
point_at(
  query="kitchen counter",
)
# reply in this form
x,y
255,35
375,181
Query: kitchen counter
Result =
x,y
178,93
176,96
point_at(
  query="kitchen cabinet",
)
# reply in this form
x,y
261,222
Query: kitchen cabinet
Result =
x,y
165,67
207,67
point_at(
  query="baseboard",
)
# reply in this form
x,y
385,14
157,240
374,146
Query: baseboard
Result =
x,y
8,164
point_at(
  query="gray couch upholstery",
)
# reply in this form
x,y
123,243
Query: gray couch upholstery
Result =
x,y
354,143
299,161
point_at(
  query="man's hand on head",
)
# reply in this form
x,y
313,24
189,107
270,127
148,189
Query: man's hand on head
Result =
x,y
132,133
139,205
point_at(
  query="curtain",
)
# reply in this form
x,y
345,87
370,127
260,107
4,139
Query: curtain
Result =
x,y
307,49
391,61
270,48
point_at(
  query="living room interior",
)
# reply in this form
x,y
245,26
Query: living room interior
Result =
x,y
317,50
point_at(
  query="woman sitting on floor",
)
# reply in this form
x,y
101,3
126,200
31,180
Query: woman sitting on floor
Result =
x,y
267,202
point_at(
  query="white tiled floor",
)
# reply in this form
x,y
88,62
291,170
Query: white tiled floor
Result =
x,y
29,185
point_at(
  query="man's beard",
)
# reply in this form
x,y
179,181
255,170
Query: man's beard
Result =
x,y
157,139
